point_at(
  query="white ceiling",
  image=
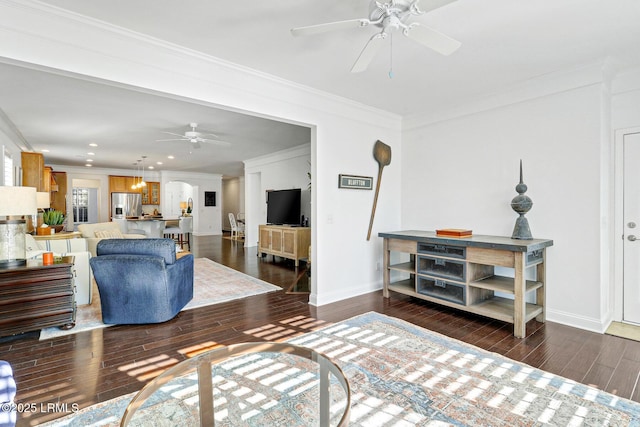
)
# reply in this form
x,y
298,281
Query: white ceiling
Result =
x,y
504,44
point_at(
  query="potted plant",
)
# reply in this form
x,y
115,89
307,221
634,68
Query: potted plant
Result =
x,y
54,219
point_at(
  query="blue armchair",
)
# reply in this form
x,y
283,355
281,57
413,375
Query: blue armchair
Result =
x,y
141,281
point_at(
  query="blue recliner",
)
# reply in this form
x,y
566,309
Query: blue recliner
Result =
x,y
140,280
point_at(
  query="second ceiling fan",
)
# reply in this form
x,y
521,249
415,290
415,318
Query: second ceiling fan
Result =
x,y
195,137
390,16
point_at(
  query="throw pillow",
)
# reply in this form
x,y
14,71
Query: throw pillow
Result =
x,y
109,234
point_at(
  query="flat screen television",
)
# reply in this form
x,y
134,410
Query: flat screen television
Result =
x,y
283,207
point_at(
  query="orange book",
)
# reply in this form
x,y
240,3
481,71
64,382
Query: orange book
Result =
x,y
453,232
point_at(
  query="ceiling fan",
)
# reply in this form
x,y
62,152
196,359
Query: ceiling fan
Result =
x,y
195,137
390,16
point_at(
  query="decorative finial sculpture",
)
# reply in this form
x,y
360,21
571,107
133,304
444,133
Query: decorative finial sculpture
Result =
x,y
521,204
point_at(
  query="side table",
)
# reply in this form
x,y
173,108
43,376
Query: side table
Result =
x,y
305,385
37,296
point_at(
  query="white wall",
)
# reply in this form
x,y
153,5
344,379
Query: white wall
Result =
x,y
283,170
207,220
232,195
461,172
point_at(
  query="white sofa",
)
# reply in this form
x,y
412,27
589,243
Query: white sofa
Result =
x,y
67,247
103,230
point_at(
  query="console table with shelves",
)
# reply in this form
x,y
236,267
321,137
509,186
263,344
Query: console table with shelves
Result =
x,y
461,273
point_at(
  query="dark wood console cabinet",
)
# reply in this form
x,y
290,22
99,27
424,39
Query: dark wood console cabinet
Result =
x,y
37,296
464,273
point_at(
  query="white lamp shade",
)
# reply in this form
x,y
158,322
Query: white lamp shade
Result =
x,y
43,200
17,201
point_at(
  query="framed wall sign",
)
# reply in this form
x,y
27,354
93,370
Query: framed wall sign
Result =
x,y
209,198
355,182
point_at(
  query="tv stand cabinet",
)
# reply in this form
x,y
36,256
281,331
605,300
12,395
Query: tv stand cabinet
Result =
x,y
460,273
284,241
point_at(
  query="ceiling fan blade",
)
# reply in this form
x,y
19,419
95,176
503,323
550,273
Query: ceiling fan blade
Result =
x,y
181,139
369,51
174,134
429,5
432,39
213,135
330,26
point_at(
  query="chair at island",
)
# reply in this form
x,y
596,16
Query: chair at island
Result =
x,y
182,230
141,281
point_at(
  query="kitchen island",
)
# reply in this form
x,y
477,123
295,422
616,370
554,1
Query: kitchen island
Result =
x,y
150,225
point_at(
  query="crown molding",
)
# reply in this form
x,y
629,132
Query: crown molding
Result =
x,y
52,28
537,87
290,153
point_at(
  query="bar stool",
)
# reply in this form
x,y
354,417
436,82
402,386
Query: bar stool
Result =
x,y
182,231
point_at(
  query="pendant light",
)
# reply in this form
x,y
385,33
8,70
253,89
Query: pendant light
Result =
x,y
142,182
135,176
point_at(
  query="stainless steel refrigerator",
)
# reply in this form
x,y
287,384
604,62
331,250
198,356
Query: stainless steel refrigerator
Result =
x,y
126,205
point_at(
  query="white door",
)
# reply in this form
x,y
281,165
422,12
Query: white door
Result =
x,y
631,236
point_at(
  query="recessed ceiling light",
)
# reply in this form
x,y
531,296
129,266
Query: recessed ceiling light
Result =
x,y
91,154
88,165
170,157
45,150
158,163
93,144
150,167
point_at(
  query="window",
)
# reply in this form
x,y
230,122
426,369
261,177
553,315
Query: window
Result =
x,y
8,168
80,205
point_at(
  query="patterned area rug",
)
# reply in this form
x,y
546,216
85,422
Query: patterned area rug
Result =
x,y
400,375
213,283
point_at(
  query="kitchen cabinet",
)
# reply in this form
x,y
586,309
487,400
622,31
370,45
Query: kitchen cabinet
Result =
x,y
122,184
59,191
33,170
151,193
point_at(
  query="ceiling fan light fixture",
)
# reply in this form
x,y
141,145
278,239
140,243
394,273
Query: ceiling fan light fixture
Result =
x,y
390,16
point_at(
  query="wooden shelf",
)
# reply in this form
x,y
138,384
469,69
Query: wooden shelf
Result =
x,y
407,267
406,287
503,309
504,284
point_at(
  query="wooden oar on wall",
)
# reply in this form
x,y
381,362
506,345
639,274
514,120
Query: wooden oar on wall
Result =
x,y
382,154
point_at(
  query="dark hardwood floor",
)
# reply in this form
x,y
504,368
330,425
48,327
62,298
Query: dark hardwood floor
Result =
x,y
90,367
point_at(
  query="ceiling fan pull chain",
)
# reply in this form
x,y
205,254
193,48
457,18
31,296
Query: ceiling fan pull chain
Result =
x,y
391,56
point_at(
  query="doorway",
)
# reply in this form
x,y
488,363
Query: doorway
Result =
x,y
631,228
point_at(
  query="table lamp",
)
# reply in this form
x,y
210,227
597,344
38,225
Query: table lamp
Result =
x,y
43,201
15,202
183,206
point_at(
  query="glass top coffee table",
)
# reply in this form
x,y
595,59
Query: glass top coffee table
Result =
x,y
250,384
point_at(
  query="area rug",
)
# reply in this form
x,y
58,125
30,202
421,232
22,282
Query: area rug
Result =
x,y
400,375
213,283
624,330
